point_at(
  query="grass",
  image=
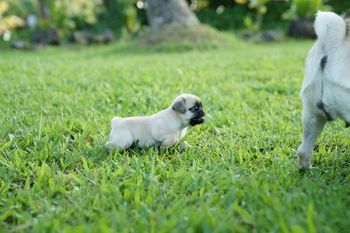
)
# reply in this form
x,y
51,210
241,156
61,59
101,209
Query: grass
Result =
x,y
240,175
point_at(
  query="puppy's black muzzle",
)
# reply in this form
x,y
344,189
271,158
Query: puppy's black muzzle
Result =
x,y
198,118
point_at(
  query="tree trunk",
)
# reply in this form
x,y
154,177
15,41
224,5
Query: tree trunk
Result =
x,y
43,10
165,12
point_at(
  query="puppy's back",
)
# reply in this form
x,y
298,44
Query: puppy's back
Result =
x,y
115,120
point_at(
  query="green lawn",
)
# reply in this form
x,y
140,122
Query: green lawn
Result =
x,y
240,175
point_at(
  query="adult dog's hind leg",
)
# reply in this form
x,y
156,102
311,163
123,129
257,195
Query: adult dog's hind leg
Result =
x,y
312,127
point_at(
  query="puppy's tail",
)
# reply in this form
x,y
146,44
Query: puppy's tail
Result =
x,y
330,29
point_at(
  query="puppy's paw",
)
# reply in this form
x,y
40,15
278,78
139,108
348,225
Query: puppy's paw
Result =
x,y
183,146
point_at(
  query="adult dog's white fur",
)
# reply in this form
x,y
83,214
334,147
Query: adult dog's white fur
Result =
x,y
163,129
326,88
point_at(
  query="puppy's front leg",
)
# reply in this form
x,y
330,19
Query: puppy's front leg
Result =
x,y
183,146
312,127
169,142
183,133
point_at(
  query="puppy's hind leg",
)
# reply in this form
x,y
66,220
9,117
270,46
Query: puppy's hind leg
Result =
x,y
120,140
312,127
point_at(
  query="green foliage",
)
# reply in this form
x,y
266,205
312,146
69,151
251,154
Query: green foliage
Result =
x,y
120,15
130,19
230,19
305,9
240,174
250,24
23,8
64,14
339,6
8,22
260,9
233,17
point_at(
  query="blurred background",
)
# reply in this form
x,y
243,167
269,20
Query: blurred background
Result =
x,y
28,24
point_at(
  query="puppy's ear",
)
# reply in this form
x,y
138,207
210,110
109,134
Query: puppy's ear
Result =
x,y
179,106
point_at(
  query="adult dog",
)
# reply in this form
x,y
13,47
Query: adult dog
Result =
x,y
326,89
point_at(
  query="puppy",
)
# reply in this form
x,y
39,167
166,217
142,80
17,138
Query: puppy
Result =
x,y
326,88
164,129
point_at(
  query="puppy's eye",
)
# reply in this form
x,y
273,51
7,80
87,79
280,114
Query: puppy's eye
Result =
x,y
195,108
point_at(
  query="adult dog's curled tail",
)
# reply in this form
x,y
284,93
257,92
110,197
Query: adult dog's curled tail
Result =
x,y
330,29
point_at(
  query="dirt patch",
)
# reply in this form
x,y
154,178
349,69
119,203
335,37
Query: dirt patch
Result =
x,y
176,36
